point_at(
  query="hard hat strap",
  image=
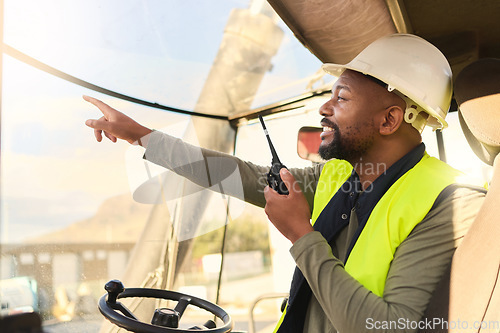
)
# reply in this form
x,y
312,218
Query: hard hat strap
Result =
x,y
414,114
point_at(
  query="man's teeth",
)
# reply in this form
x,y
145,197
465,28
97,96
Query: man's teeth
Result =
x,y
327,129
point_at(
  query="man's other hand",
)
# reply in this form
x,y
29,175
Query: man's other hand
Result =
x,y
114,124
290,213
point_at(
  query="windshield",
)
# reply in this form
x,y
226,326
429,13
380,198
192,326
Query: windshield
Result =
x,y
160,51
69,218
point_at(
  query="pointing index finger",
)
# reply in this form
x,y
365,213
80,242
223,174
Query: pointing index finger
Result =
x,y
105,109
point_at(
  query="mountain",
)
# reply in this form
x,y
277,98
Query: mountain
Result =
x,y
118,220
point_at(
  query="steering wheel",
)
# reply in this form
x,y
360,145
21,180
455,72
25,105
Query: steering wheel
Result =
x,y
167,318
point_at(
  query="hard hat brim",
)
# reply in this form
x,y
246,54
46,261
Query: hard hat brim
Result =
x,y
334,69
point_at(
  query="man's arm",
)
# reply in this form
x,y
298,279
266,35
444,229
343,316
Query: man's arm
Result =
x,y
204,167
207,168
417,267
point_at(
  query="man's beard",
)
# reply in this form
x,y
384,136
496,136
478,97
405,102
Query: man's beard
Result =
x,y
333,149
349,147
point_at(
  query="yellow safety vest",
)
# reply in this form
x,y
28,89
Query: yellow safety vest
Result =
x,y
400,209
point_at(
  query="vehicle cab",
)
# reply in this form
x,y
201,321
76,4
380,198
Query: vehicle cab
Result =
x,y
77,214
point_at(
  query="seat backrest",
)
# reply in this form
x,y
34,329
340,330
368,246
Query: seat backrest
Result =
x,y
469,293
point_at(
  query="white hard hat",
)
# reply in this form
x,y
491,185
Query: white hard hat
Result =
x,y
413,67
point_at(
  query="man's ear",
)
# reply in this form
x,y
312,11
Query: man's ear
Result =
x,y
392,119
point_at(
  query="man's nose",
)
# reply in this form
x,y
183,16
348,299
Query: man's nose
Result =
x,y
326,109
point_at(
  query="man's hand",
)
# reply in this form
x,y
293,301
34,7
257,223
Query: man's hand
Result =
x,y
115,124
290,213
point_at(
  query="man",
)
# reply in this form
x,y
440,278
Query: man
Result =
x,y
386,217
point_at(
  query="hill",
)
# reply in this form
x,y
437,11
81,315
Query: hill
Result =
x,y
118,219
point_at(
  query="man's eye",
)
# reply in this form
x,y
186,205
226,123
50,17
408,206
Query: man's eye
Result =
x,y
338,98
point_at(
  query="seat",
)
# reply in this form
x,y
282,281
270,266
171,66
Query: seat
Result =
x,y
469,294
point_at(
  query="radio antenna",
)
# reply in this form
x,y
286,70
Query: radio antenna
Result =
x,y
271,146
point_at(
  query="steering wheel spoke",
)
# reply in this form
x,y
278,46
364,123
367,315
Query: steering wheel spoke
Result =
x,y
181,306
123,309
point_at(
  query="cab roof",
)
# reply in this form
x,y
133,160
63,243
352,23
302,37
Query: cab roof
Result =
x,y
336,31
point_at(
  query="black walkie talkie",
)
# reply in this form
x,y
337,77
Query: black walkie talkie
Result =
x,y
273,177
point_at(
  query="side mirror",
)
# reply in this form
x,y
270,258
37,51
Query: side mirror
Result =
x,y
308,142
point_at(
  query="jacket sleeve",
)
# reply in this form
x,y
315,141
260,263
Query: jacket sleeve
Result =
x,y
241,179
419,262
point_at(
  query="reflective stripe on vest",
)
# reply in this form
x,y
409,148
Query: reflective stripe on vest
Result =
x,y
400,209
